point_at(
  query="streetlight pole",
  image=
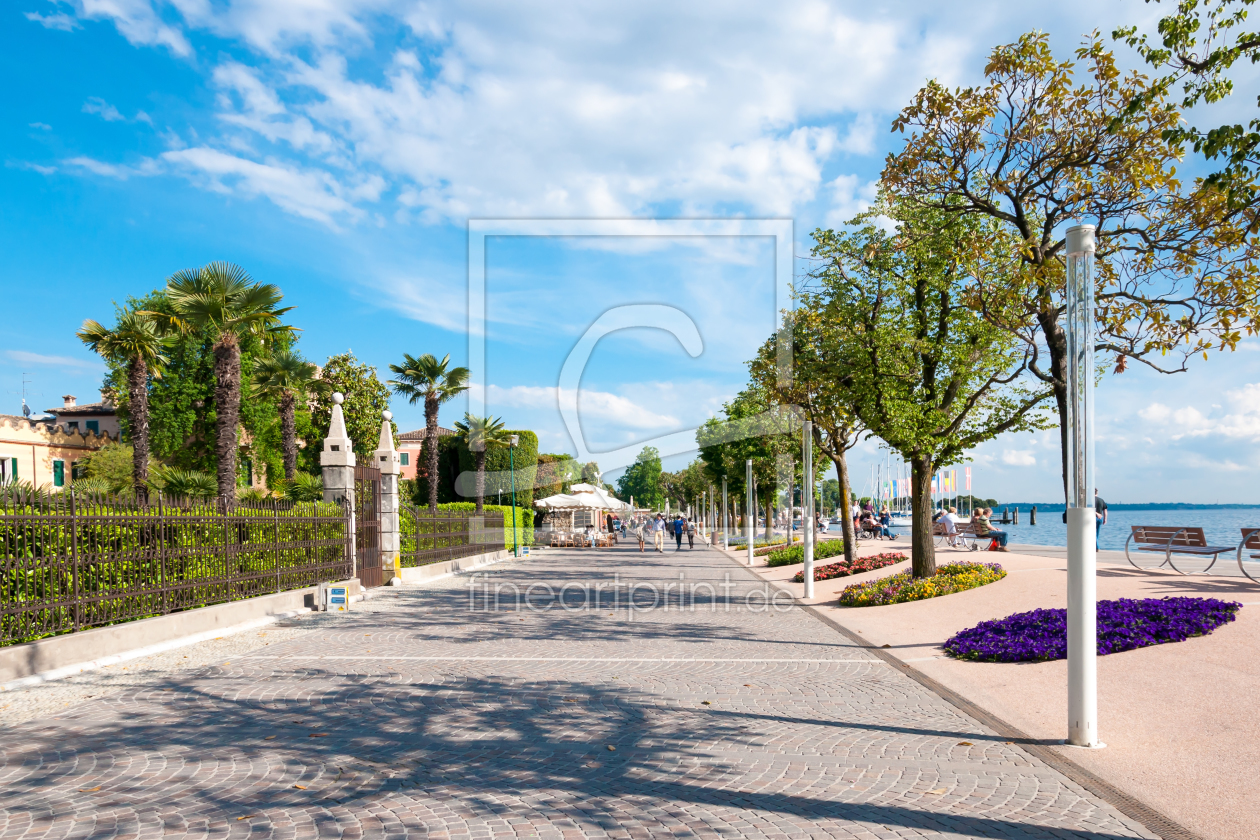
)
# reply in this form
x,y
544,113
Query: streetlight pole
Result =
x,y
1082,615
750,514
807,503
726,515
513,440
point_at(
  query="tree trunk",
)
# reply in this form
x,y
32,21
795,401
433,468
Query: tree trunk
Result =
x,y
288,434
846,521
431,447
481,480
922,549
138,406
1056,342
227,405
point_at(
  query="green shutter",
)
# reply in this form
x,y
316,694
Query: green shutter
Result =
x,y
13,471
94,426
59,473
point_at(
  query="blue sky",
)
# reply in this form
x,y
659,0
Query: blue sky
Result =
x,y
338,148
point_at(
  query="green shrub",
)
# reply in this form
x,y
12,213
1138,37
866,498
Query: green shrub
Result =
x,y
524,523
796,554
127,557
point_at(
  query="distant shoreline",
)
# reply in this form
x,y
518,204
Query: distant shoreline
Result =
x,y
1058,506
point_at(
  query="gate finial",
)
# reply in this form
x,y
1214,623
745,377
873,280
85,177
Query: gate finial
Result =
x,y
338,448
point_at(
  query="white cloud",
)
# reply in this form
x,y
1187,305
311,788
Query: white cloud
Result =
x,y
1238,418
137,21
41,126
1019,458
122,172
57,20
28,358
309,193
850,195
107,112
501,110
594,405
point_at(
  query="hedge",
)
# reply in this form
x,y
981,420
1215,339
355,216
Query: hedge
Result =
x,y
524,520
796,553
134,562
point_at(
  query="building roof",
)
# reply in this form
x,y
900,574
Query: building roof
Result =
x,y
88,410
419,435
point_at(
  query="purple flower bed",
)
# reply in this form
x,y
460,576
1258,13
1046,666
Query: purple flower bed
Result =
x,y
1123,624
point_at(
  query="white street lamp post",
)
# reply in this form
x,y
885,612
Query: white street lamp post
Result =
x,y
1082,614
749,512
726,515
807,503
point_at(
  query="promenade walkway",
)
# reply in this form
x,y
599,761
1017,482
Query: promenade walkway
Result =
x,y
418,716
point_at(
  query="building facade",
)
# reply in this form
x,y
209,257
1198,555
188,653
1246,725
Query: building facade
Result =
x,y
44,453
98,417
411,449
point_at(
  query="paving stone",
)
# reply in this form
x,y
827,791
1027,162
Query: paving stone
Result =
x,y
427,713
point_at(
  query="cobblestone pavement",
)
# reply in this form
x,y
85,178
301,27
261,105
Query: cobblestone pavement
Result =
x,y
430,713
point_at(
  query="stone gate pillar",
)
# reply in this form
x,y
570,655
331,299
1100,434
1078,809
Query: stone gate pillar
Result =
x,y
336,463
387,461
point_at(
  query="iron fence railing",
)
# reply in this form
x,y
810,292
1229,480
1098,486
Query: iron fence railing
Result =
x,y
70,561
427,538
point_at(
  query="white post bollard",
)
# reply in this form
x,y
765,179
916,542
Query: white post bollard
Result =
x,y
386,459
726,516
807,503
751,516
1082,613
337,464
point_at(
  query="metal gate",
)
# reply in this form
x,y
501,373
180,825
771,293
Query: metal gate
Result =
x,y
367,527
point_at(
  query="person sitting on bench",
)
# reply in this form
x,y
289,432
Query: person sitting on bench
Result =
x,y
983,528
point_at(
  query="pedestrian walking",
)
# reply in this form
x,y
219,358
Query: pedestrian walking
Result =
x,y
1100,516
658,533
679,527
640,531
691,535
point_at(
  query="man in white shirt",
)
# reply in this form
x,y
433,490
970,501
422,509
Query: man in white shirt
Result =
x,y
658,533
951,520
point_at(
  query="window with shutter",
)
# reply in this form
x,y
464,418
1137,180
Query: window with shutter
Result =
x,y
59,473
406,459
93,426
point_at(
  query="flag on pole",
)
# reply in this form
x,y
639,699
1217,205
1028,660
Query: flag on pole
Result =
x,y
967,476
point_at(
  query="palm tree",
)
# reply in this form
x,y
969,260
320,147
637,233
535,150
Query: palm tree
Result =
x,y
136,341
222,303
480,434
428,379
286,377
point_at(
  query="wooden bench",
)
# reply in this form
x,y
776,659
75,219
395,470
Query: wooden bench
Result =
x,y
1250,542
1170,540
965,533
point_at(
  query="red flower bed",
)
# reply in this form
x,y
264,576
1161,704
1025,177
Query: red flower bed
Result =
x,y
862,564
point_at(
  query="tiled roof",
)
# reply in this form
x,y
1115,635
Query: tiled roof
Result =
x,y
88,409
420,434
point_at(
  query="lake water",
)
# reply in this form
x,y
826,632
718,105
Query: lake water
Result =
x,y
1222,527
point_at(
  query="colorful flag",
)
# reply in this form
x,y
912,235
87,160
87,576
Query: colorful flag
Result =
x,y
967,475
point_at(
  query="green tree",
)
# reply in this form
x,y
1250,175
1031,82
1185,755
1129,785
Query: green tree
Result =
x,y
479,435
590,474
286,378
425,379
1039,146
137,343
642,480
366,399
557,473
1198,44
921,368
221,303
816,392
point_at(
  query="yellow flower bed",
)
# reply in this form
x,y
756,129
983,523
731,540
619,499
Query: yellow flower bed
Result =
x,y
897,589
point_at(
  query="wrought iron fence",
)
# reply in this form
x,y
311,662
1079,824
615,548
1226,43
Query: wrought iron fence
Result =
x,y
69,561
428,538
